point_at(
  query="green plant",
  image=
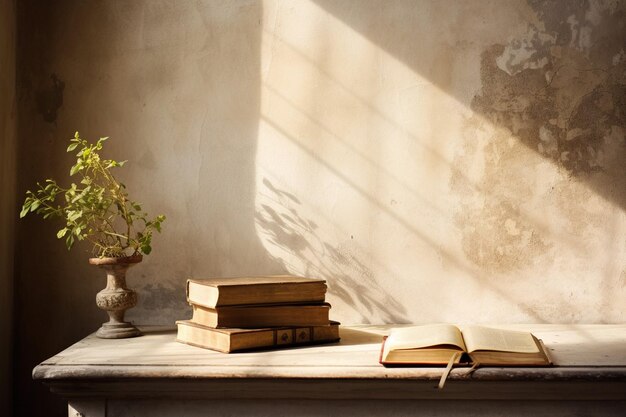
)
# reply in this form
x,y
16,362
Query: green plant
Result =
x,y
97,209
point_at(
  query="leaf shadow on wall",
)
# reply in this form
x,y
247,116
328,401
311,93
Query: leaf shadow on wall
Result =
x,y
557,90
293,235
423,235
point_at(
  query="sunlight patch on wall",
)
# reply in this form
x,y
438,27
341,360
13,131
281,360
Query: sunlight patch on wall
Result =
x,y
403,196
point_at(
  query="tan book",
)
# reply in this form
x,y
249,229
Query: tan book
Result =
x,y
438,344
233,340
270,289
261,315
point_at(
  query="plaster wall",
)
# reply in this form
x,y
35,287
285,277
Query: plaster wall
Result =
x,y
8,124
433,160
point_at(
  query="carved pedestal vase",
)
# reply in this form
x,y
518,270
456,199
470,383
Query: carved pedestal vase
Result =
x,y
116,298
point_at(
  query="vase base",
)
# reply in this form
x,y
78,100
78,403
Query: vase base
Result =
x,y
117,331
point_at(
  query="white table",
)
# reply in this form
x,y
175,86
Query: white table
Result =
x,y
155,375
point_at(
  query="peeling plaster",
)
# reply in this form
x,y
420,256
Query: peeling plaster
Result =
x,y
561,92
530,51
571,99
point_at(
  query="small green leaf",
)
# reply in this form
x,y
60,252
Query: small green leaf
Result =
x,y
34,206
74,215
69,241
75,169
62,232
72,147
25,210
157,223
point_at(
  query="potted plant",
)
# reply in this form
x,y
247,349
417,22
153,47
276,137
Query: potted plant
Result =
x,y
97,209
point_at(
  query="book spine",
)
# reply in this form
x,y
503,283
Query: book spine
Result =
x,y
224,341
294,336
271,294
255,317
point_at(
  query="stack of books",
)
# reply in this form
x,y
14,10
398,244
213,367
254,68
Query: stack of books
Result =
x,y
235,314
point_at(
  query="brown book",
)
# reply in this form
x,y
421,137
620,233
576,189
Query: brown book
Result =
x,y
261,315
271,289
233,340
438,344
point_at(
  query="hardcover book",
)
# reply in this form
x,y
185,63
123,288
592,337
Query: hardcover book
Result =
x,y
262,315
234,340
271,289
441,344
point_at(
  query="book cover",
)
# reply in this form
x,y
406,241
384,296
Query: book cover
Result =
x,y
262,315
270,289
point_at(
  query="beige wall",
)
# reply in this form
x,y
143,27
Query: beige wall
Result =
x,y
433,160
8,123
446,161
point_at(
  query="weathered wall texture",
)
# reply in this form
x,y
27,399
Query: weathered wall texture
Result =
x,y
447,160
433,160
8,124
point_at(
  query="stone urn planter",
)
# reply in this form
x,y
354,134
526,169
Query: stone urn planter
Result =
x,y
116,298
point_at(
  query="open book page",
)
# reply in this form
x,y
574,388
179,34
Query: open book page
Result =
x,y
416,337
486,338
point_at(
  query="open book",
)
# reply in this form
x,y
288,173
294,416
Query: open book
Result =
x,y
439,344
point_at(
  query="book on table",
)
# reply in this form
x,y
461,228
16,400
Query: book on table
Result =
x,y
262,315
441,344
268,289
234,340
